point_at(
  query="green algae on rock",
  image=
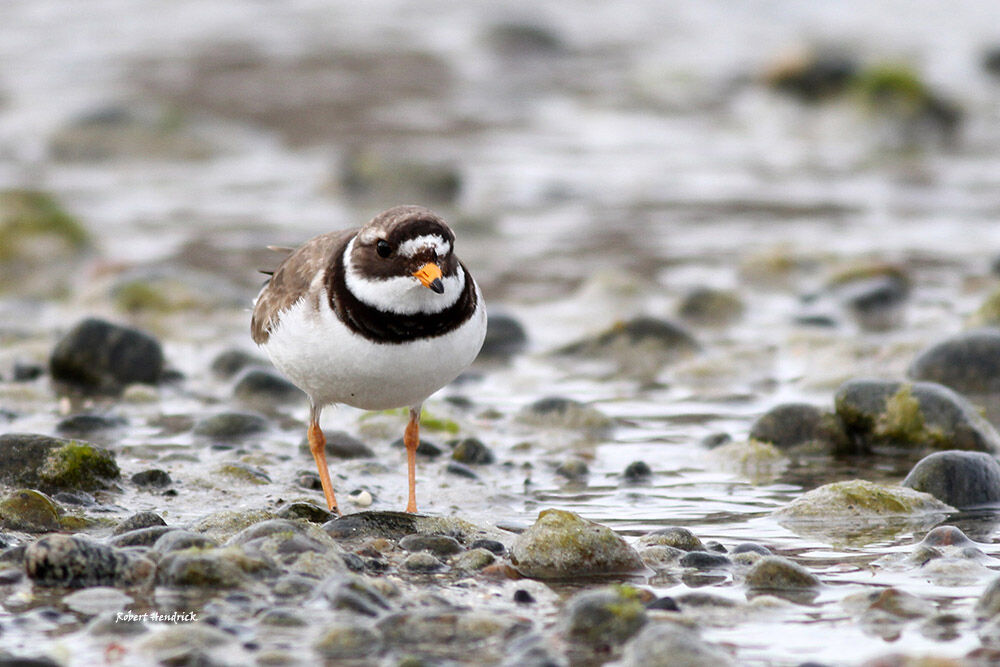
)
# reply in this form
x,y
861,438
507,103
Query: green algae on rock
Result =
x,y
55,464
861,499
30,511
775,573
604,619
563,545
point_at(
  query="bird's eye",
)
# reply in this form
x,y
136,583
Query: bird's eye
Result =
x,y
383,248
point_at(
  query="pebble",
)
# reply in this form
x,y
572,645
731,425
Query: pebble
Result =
x,y
710,307
988,604
673,645
461,470
231,425
505,337
799,424
575,470
30,511
360,498
397,525
861,499
342,641
703,560
492,546
441,632
473,559
562,545
223,568
86,425
262,389
653,336
306,511
677,537
425,448
230,362
140,537
920,415
356,594
138,520
341,445
960,479
438,545
566,413
422,562
100,356
969,362
471,451
177,540
75,561
153,478
605,618
637,471
776,573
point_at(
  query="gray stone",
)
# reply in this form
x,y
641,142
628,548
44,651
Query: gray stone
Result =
x,y
796,424
73,561
54,464
666,644
472,451
968,362
505,337
775,573
438,545
138,520
677,537
605,618
101,356
264,389
961,479
231,425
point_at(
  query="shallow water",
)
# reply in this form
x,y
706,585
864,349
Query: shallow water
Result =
x,y
602,176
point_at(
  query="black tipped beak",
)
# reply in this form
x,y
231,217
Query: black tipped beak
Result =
x,y
437,286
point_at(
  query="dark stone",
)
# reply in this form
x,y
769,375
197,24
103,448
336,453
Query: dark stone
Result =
x,y
26,372
637,471
460,469
152,478
54,464
946,536
643,329
666,603
141,537
263,388
703,560
575,470
751,547
80,426
471,450
227,364
29,511
919,415
176,540
969,363
72,561
138,520
516,39
422,562
707,306
101,356
490,545
522,596
425,448
991,63
793,424
355,594
604,618
960,479
306,511
439,545
815,77
231,425
341,445
505,337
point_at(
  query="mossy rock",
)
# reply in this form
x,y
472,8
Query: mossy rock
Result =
x,y
29,215
605,618
30,511
54,464
988,313
861,499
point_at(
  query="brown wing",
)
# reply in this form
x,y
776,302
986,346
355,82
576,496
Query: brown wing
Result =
x,y
291,280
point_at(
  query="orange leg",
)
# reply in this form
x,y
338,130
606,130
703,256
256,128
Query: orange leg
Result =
x,y
317,445
411,438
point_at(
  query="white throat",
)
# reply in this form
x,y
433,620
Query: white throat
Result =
x,y
402,295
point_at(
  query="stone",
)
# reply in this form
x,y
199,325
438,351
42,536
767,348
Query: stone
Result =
x,y
264,389
605,618
74,561
306,511
230,362
422,562
228,426
562,545
473,559
140,537
210,568
573,469
29,511
988,604
666,644
812,76
778,573
84,425
54,464
341,641
636,472
178,540
356,594
441,632
677,537
640,331
706,306
397,525
861,499
471,451
560,412
794,425
914,416
968,363
703,560
341,445
505,337
153,478
960,479
438,545
100,356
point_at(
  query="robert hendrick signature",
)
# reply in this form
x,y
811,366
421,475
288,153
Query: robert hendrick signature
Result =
x,y
128,616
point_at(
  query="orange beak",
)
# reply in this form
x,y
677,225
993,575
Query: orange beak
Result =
x,y
430,275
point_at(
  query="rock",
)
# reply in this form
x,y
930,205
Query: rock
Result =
x,y
75,561
53,464
920,416
660,557
178,540
299,547
29,511
574,469
138,520
153,478
559,412
242,473
703,560
859,499
230,362
25,371
673,645
422,563
563,545
988,605
492,546
811,76
341,445
516,39
141,537
988,313
473,559
947,536
357,595
442,632
505,337
341,641
471,450
775,573
639,347
379,174
960,479
82,426
222,568
229,426
263,389
969,363
397,525
223,524
605,618
460,469
425,448
439,545
705,306
100,356
637,472
676,537
306,511
800,425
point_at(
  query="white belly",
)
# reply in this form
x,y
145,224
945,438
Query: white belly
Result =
x,y
333,364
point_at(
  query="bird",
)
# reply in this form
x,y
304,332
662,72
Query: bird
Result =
x,y
377,318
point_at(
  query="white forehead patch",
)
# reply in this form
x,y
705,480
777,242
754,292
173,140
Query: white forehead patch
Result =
x,y
411,247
